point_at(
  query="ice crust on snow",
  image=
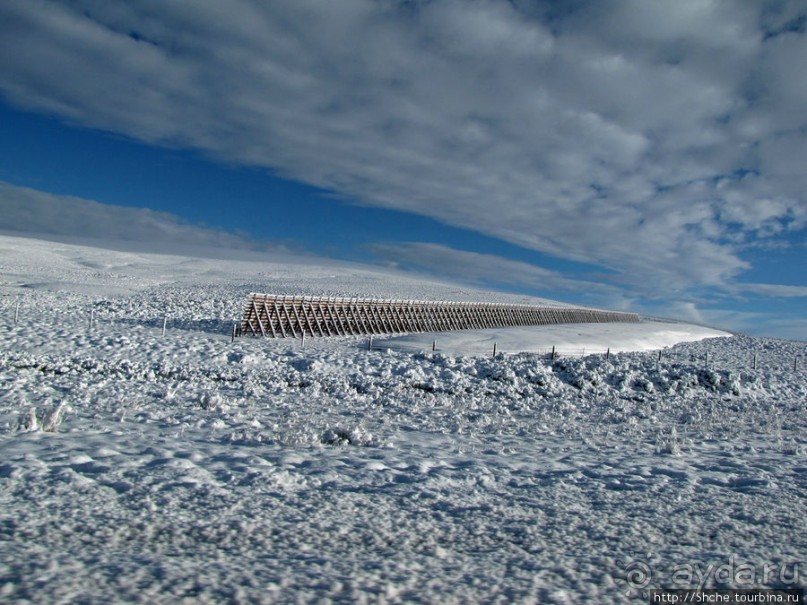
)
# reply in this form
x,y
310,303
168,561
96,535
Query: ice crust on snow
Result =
x,y
145,468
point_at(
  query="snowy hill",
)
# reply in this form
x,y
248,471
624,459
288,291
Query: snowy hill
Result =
x,y
191,291
142,467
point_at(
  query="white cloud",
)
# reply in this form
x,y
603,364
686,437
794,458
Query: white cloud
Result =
x,y
774,290
28,211
615,133
485,269
788,328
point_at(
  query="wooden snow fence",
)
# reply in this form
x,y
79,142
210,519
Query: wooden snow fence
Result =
x,y
280,316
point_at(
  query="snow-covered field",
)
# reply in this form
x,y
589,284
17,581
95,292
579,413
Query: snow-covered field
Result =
x,y
142,467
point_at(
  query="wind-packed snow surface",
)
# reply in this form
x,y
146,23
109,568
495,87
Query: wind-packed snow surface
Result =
x,y
151,468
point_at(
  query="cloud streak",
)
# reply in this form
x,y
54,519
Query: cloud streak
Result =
x,y
485,269
775,290
28,211
657,140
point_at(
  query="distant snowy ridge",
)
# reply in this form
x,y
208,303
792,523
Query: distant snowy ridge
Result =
x,y
56,282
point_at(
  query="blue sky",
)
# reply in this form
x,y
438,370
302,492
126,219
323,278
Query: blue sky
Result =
x,y
619,153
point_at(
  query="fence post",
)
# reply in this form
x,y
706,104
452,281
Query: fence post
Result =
x,y
92,318
434,345
370,343
553,354
17,312
233,338
755,361
303,339
608,353
494,350
165,323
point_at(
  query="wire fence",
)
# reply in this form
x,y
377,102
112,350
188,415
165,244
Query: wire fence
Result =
x,y
751,360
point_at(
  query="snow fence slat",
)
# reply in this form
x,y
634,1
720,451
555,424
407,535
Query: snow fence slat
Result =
x,y
273,315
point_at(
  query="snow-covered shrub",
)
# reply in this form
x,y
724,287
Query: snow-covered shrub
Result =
x,y
211,401
643,383
45,420
342,436
668,444
246,436
719,381
28,422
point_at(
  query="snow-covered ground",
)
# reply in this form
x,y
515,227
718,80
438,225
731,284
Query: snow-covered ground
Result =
x,y
142,467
